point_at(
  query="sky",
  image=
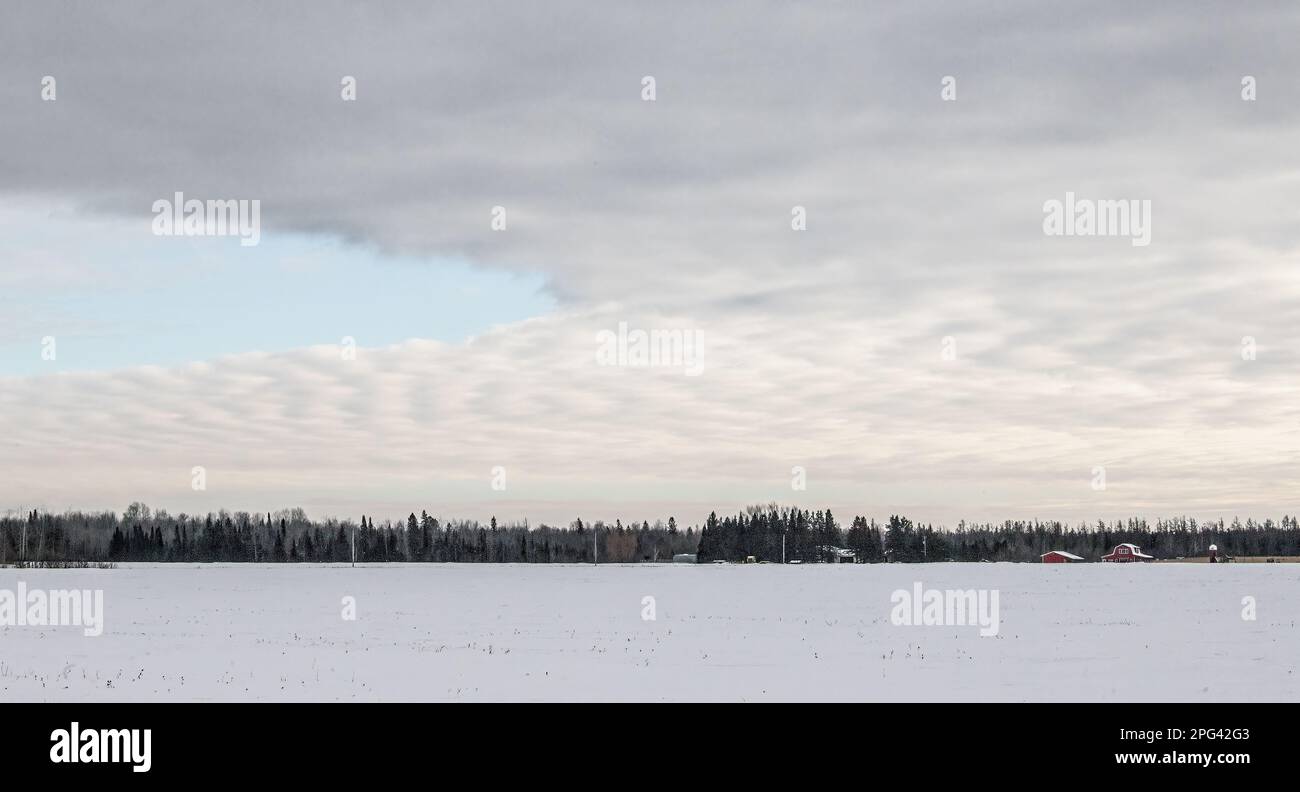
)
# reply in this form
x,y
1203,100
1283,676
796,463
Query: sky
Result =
x,y
841,204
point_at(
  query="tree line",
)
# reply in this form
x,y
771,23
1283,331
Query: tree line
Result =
x,y
290,536
761,532
768,533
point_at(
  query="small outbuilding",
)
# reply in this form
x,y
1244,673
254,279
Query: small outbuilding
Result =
x,y
1127,553
1059,557
837,555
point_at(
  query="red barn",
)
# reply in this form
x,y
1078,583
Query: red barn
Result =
x,y
1127,553
1059,557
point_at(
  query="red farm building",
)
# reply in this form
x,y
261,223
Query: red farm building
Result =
x,y
1127,553
1059,557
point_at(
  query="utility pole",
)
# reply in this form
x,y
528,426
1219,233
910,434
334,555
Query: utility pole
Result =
x,y
783,547
595,559
354,544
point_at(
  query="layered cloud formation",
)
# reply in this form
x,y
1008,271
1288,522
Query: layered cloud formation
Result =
x,y
922,346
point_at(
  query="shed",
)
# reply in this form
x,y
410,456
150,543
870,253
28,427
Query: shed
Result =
x,y
1059,557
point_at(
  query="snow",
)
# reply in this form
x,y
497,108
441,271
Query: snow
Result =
x,y
732,633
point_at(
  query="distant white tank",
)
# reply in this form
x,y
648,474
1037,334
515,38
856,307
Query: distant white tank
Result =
x,y
1214,548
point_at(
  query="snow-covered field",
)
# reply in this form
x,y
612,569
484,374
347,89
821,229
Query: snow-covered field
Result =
x,y
729,633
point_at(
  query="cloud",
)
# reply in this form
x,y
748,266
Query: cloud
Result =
x,y
924,222
878,427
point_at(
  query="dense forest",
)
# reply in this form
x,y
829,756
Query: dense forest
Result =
x,y
290,536
811,536
765,533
